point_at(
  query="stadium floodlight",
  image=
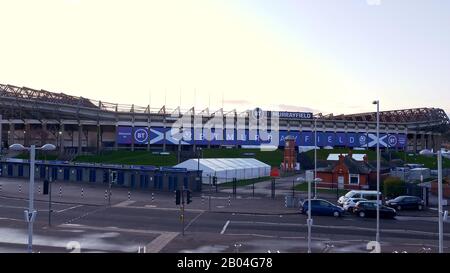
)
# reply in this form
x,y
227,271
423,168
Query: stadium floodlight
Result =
x,y
30,213
17,147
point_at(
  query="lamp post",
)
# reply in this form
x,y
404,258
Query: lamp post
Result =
x,y
377,237
315,156
30,213
309,222
441,212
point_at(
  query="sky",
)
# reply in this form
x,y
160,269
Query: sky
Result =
x,y
327,56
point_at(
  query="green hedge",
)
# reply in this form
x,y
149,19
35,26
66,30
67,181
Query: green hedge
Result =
x,y
393,187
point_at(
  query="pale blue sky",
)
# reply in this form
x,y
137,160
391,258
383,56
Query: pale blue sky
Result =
x,y
399,50
325,55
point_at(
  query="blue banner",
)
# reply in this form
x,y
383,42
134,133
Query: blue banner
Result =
x,y
159,135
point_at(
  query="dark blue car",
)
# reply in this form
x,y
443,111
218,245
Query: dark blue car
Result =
x,y
322,207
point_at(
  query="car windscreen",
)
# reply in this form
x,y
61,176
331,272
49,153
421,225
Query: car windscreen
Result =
x,y
349,194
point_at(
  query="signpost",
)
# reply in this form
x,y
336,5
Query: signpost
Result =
x,y
274,173
180,200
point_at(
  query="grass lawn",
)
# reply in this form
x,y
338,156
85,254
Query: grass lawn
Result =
x,y
38,156
130,158
246,182
272,158
304,187
428,161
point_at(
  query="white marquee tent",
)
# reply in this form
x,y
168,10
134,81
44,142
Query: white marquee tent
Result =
x,y
225,169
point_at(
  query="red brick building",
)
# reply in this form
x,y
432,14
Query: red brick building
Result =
x,y
348,173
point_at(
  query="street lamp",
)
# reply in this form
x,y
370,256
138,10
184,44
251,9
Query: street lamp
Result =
x,y
315,156
30,214
377,237
309,178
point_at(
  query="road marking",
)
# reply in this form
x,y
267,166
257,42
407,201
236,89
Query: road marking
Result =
x,y
401,231
74,207
11,219
225,227
154,246
193,220
124,203
167,209
160,242
138,231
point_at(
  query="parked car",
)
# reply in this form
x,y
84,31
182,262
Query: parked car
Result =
x,y
322,207
369,209
350,204
406,202
369,195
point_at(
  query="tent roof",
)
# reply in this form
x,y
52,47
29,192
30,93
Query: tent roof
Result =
x,y
221,164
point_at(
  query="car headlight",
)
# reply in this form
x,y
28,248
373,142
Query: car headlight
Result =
x,y
393,203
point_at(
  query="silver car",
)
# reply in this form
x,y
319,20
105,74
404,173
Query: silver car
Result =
x,y
350,203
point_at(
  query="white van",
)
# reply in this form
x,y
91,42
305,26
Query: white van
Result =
x,y
368,195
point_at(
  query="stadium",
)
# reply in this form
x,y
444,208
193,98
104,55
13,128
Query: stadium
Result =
x,y
79,125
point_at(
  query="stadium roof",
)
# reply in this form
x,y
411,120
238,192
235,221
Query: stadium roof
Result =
x,y
27,103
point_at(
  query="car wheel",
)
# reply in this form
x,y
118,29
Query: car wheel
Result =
x,y
336,214
420,207
362,214
399,207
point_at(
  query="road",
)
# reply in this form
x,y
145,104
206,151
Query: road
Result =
x,y
246,224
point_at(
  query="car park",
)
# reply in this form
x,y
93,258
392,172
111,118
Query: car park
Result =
x,y
322,207
350,203
406,202
369,209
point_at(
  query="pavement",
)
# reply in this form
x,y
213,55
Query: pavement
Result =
x,y
83,220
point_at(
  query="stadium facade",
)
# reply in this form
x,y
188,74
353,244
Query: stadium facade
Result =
x,y
76,125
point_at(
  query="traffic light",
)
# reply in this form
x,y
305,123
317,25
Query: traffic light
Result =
x,y
105,177
177,197
45,188
114,177
188,196
214,180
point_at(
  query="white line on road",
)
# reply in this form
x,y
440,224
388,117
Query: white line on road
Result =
x,y
166,209
11,219
124,203
160,242
193,220
154,246
225,227
63,210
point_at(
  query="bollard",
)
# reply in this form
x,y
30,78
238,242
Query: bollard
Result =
x,y
60,191
1,188
129,195
229,200
20,188
82,192
153,197
39,189
203,200
285,202
106,194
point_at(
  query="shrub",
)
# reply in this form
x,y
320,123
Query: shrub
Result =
x,y
393,187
